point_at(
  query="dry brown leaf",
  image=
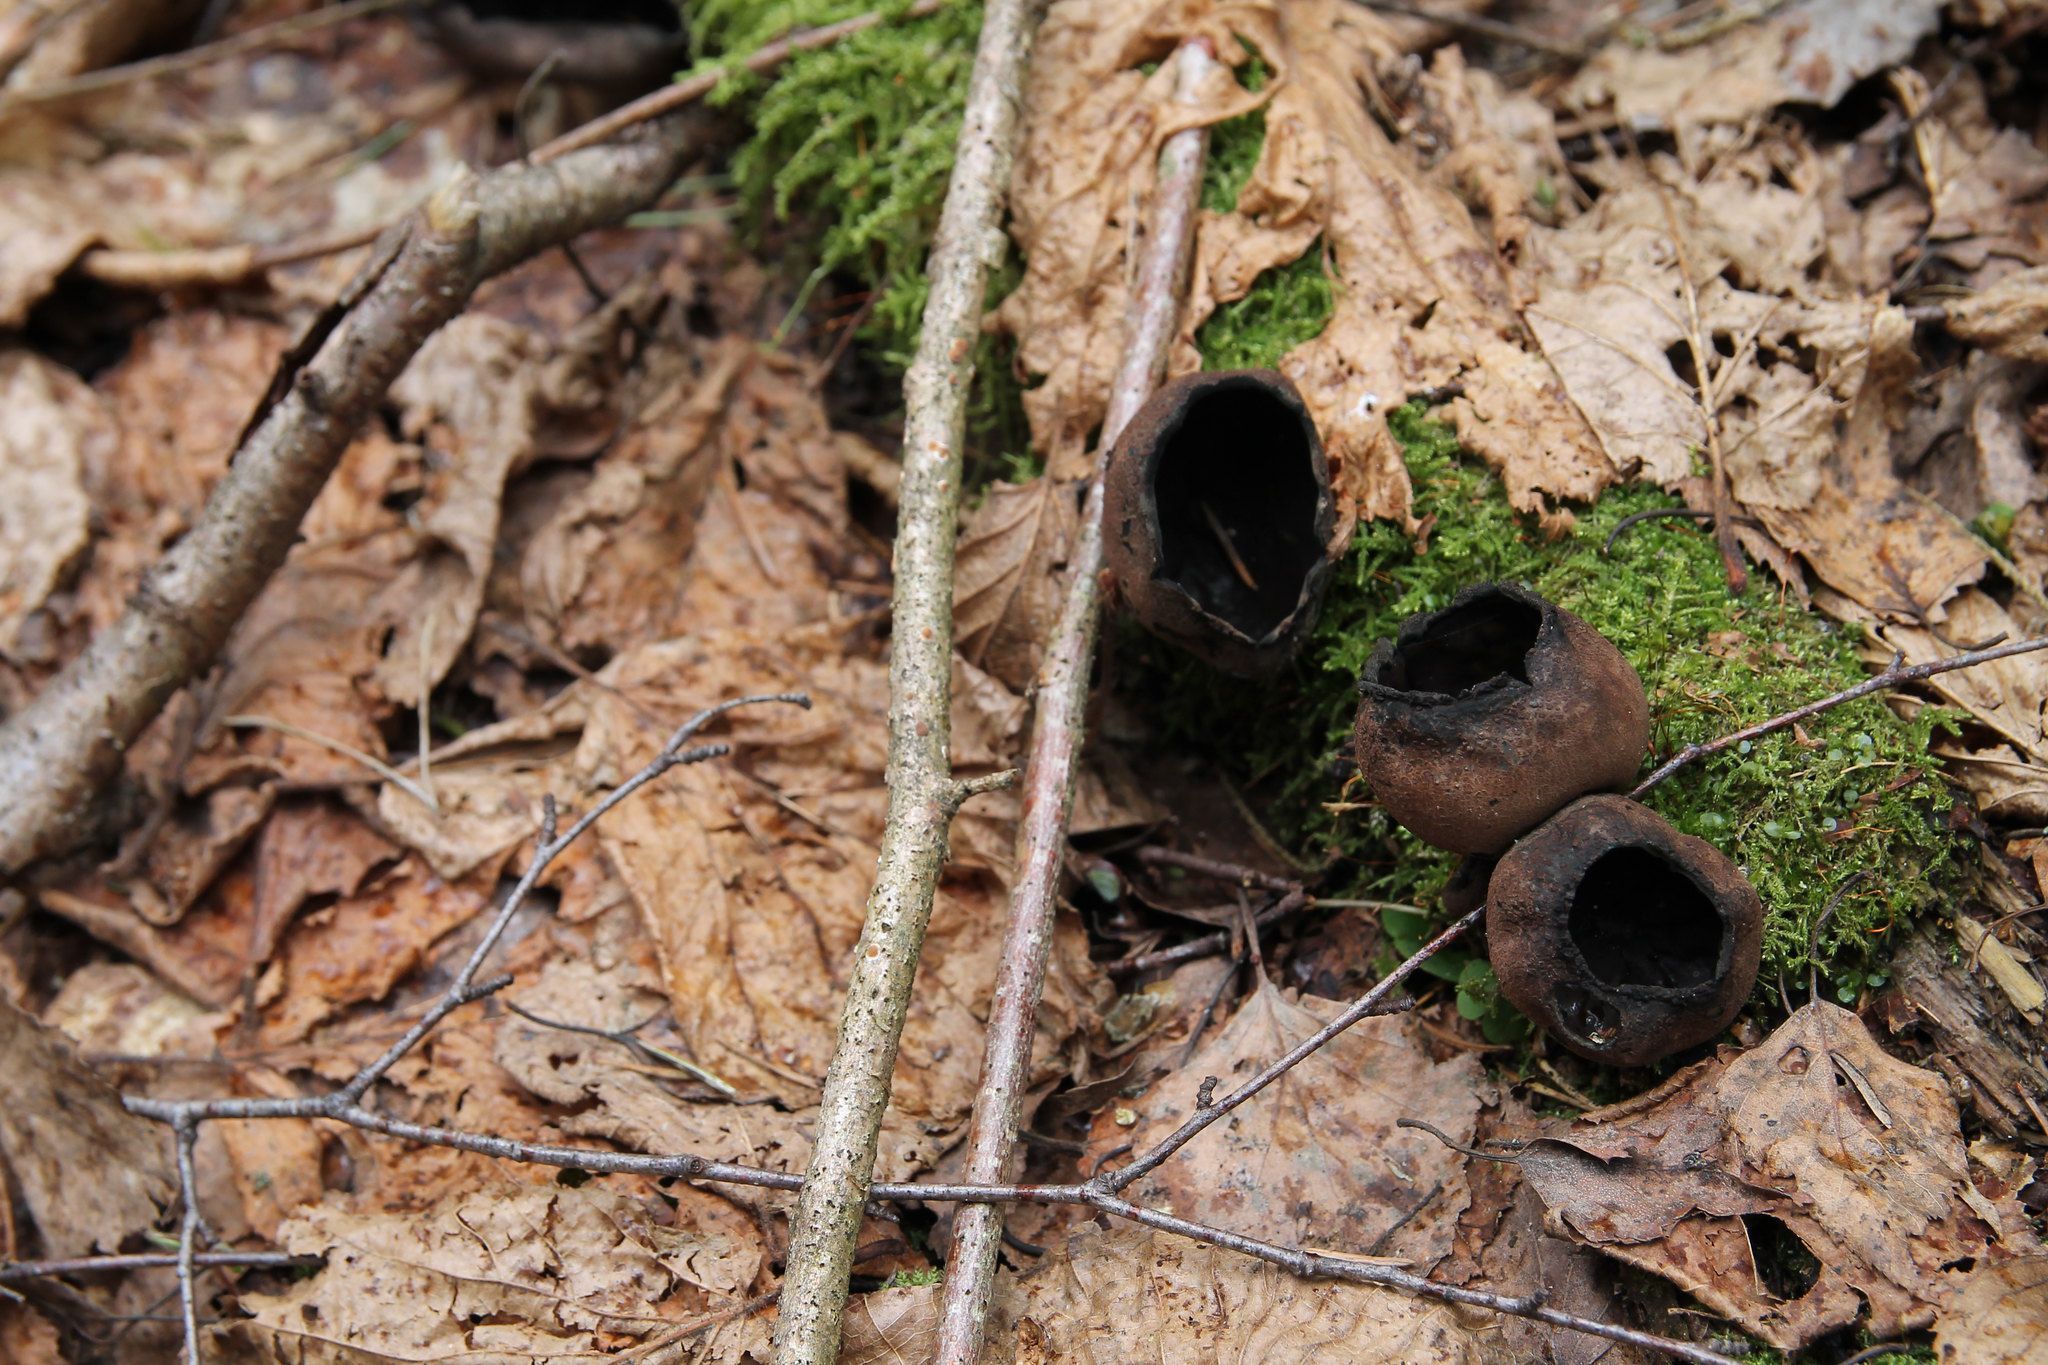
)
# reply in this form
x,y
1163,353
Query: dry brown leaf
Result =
x,y
2000,1318
2010,318
1865,1151
1805,52
91,1173
1130,1294
1317,1159
891,1327
49,422
519,1272
1008,582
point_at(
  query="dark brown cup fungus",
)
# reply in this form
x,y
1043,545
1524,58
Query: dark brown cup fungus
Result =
x,y
1623,938
1217,498
1480,720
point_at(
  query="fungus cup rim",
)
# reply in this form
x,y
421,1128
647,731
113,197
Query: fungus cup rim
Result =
x,y
1498,688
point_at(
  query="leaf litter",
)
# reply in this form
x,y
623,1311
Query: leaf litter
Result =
x,y
581,521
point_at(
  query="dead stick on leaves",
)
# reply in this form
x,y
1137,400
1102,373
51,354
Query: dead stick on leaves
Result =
x,y
1103,1193
346,1104
1057,732
923,793
59,751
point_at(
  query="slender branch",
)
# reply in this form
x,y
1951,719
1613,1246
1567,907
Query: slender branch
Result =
x,y
1210,944
1210,867
13,1271
826,1223
1208,1111
62,748
693,88
1479,26
1102,1194
344,1105
1898,674
1057,733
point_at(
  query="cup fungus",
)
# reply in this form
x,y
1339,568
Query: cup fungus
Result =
x,y
1625,939
1217,498
1480,720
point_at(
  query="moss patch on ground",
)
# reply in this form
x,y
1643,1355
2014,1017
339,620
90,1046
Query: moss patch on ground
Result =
x,y
853,145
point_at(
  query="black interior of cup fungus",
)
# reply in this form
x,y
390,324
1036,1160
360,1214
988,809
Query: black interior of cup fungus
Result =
x,y
1639,921
1237,500
1485,637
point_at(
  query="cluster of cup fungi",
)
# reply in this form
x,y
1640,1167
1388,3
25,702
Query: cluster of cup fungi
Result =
x,y
1500,727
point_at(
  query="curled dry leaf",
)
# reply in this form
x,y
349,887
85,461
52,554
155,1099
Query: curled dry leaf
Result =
x,y
1815,1145
1128,1293
536,1272
1317,1159
91,1173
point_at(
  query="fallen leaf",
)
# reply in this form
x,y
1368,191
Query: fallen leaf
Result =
x,y
1741,66
1130,1294
48,421
92,1174
514,1272
891,1326
1317,1158
1864,1153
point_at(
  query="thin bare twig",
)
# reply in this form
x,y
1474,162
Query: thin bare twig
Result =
x,y
1090,1193
12,1271
627,1038
1209,867
1372,1002
415,790
923,793
1479,26
1898,674
1209,944
688,91
1057,733
57,752
345,1104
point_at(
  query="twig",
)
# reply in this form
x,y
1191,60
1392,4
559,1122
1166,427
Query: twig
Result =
x,y
344,1105
1628,523
1091,1193
1210,944
255,40
764,58
152,1260
1210,867
646,1051
923,793
1897,675
62,748
415,790
1057,733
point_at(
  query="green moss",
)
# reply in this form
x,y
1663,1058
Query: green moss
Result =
x,y
1286,306
908,1279
853,145
1853,791
1234,145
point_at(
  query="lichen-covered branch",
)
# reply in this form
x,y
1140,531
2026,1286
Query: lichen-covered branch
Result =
x,y
1057,732
922,791
57,753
